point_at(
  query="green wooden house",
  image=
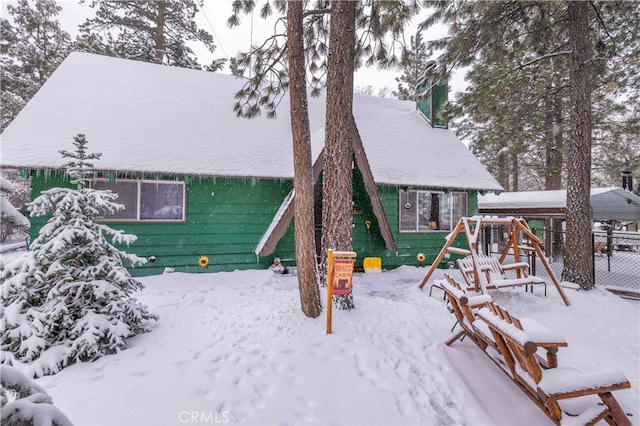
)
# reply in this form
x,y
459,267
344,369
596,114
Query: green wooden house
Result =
x,y
196,180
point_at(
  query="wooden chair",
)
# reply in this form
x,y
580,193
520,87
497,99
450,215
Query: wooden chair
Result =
x,y
566,395
493,274
463,307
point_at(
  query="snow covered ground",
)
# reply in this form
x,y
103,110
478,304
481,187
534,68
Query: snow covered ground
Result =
x,y
234,348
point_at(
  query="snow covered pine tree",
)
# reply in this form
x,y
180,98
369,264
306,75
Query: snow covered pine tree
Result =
x,y
24,402
69,298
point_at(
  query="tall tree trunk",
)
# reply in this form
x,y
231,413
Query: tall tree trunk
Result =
x,y
556,160
514,172
159,37
302,165
502,166
553,110
338,176
578,260
557,148
553,158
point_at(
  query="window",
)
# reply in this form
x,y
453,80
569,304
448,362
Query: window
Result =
x,y
146,200
422,211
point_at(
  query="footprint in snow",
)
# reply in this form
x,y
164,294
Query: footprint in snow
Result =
x,y
141,373
205,393
216,373
308,401
256,371
306,417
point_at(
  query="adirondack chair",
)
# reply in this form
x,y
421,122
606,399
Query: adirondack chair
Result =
x,y
464,306
492,274
566,395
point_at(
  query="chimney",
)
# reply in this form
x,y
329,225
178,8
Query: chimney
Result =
x,y
627,180
431,95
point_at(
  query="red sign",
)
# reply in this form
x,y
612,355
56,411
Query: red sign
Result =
x,y
342,276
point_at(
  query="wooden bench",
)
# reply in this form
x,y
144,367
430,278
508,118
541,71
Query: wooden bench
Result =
x,y
566,395
494,275
463,306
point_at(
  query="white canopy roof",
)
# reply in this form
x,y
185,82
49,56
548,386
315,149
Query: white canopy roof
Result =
x,y
606,203
151,118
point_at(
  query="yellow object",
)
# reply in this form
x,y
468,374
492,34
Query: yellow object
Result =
x,y
203,261
372,264
421,257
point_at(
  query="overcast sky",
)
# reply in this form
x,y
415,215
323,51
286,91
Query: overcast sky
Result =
x,y
229,41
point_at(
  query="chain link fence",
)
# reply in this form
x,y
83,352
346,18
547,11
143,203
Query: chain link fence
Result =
x,y
616,254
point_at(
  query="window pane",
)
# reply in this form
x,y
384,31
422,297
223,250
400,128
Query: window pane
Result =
x,y
459,207
424,210
162,201
408,210
431,211
127,195
445,213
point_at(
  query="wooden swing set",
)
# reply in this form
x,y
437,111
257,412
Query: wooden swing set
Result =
x,y
481,265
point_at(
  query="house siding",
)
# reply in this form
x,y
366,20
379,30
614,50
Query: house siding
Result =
x,y
409,244
225,219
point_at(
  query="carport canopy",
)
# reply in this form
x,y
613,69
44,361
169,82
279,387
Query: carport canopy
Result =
x,y
607,204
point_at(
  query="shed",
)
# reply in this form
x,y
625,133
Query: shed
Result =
x,y
197,180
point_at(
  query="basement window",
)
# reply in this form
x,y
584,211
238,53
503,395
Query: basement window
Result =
x,y
146,200
425,211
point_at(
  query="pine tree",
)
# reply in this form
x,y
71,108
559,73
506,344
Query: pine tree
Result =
x,y
33,45
379,30
525,89
10,217
337,188
268,81
414,66
517,102
30,404
70,298
147,30
302,164
578,266
616,150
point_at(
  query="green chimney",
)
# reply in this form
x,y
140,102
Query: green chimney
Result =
x,y
431,96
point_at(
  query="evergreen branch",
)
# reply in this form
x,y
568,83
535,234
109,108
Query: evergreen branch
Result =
x,y
540,58
271,39
602,23
316,12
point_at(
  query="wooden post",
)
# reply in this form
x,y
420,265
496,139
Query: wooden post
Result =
x,y
516,247
522,225
329,288
436,262
472,242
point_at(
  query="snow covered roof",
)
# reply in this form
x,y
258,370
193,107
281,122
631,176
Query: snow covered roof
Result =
x,y
151,118
606,203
